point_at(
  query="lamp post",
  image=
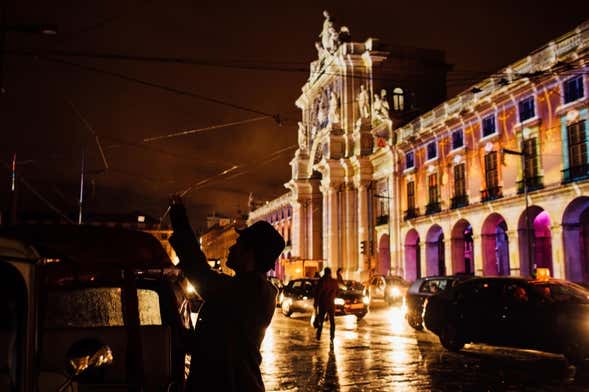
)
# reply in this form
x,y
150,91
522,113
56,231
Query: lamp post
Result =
x,y
529,234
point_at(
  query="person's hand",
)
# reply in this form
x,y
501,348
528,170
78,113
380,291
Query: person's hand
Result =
x,y
178,215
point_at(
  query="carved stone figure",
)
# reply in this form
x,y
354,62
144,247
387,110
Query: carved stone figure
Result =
x,y
329,35
376,107
380,107
302,136
333,115
363,104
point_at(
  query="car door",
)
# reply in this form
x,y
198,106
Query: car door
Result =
x,y
516,315
477,309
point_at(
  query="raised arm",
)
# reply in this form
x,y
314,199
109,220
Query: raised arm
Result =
x,y
193,261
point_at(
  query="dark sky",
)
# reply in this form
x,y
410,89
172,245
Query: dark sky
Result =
x,y
252,55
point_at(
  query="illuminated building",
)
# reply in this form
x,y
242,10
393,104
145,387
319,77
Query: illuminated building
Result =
x,y
461,180
355,92
217,239
278,213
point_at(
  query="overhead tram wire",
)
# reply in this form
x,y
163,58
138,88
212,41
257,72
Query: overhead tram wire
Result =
x,y
39,196
199,130
477,75
160,86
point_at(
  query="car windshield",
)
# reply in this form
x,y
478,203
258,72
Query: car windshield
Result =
x,y
97,307
562,292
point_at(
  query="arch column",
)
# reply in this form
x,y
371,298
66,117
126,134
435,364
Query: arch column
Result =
x,y
514,261
557,252
363,227
351,248
448,252
478,254
331,225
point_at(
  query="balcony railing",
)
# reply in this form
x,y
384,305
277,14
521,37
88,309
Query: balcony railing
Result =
x,y
575,173
533,183
382,220
458,201
491,193
411,213
433,207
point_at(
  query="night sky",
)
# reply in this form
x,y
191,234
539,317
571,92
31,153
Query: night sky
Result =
x,y
126,71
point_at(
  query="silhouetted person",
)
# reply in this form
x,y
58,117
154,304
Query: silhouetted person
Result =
x,y
237,310
324,302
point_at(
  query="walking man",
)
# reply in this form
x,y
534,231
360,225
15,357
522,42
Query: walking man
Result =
x,y
325,302
237,310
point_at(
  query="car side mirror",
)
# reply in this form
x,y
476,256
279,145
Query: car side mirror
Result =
x,y
86,360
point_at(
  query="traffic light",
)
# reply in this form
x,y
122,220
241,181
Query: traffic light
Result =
x,y
363,247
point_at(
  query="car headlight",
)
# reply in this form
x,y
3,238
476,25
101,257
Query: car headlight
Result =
x,y
339,301
366,300
395,292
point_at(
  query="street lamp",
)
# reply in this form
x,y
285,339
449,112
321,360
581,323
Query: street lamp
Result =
x,y
529,234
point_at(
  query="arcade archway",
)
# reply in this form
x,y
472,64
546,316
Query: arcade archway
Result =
x,y
412,256
384,255
535,240
575,236
462,248
434,251
495,246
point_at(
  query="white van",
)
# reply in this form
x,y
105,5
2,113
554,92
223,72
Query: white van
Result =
x,y
91,308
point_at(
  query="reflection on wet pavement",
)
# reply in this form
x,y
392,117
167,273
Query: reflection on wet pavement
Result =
x,y
382,353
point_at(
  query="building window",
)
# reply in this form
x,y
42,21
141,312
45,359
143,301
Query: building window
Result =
x,y
526,109
532,166
411,195
432,187
432,150
398,99
489,125
460,199
457,139
409,160
411,211
573,89
433,204
577,143
493,190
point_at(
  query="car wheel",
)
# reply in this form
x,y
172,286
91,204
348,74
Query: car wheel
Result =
x,y
450,338
286,308
415,322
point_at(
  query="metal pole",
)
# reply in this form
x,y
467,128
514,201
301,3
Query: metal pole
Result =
x,y
528,226
81,201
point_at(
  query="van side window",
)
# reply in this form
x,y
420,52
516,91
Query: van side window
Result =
x,y
84,308
149,307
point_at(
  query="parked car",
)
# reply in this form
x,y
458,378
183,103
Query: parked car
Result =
x,y
388,288
424,288
549,315
299,296
91,308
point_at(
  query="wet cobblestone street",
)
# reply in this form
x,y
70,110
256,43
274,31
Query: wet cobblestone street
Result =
x,y
382,353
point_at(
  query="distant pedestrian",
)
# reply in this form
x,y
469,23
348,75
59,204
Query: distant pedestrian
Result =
x,y
237,310
325,302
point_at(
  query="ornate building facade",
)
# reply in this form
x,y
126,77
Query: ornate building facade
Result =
x,y
346,114
495,180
